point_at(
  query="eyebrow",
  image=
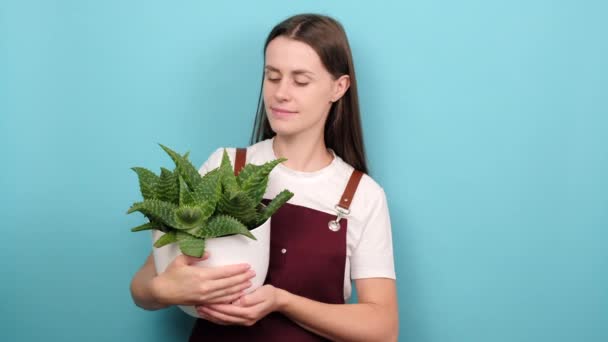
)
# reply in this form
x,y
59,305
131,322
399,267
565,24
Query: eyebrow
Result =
x,y
295,72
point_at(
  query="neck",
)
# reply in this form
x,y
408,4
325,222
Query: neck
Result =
x,y
302,153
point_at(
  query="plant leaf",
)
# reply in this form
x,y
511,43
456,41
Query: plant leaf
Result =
x,y
274,205
222,225
227,176
188,217
148,182
156,210
146,226
190,245
186,197
253,179
239,206
209,190
170,215
184,167
168,186
166,239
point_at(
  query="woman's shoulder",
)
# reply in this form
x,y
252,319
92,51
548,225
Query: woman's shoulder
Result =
x,y
367,183
369,192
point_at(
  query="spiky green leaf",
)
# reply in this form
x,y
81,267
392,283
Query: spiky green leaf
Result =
x,y
209,190
239,206
222,225
168,186
146,226
148,182
166,239
253,179
190,245
189,217
186,197
156,210
228,178
184,167
274,205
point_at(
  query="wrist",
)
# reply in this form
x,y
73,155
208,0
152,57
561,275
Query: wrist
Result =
x,y
282,299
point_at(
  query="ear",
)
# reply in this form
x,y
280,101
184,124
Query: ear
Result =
x,y
340,87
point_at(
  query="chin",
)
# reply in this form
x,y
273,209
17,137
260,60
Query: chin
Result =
x,y
282,130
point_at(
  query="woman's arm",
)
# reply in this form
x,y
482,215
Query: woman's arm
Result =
x,y
141,287
374,318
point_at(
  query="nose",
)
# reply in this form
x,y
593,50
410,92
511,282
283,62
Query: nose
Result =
x,y
281,92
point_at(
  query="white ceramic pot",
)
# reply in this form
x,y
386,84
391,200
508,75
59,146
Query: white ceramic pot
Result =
x,y
227,250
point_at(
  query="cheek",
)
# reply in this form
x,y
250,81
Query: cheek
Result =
x,y
318,98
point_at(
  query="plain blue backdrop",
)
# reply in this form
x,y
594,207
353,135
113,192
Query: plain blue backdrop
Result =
x,y
485,121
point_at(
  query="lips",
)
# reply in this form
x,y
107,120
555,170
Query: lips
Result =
x,y
282,113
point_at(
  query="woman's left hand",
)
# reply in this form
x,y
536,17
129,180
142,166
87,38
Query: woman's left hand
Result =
x,y
247,310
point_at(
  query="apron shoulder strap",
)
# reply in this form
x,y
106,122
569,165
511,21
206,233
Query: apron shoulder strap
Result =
x,y
351,188
239,162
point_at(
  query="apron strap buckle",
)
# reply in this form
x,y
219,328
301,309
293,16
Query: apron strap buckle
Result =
x,y
334,225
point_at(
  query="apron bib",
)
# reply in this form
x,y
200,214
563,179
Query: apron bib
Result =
x,y
307,258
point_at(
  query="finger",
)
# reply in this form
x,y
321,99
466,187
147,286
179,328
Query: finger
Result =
x,y
229,310
225,299
209,291
230,285
237,289
251,299
213,273
225,288
222,317
222,296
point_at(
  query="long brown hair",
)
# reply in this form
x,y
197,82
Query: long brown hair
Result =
x,y
326,36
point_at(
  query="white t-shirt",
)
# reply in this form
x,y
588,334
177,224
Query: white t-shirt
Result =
x,y
369,239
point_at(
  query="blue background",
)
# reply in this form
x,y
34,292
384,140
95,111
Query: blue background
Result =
x,y
485,121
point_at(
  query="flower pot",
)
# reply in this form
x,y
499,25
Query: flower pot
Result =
x,y
227,250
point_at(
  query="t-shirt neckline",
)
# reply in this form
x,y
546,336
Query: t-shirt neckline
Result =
x,y
302,174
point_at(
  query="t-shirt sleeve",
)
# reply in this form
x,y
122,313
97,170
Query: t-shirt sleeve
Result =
x,y
373,256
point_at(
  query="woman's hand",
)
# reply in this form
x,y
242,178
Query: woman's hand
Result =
x,y
247,310
182,283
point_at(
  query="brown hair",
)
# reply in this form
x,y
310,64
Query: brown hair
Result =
x,y
326,36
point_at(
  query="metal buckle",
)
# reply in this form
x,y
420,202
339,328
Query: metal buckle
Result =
x,y
334,225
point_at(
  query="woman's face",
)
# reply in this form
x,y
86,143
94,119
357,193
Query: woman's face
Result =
x,y
298,90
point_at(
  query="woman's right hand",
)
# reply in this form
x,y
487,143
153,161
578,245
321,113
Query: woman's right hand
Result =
x,y
183,283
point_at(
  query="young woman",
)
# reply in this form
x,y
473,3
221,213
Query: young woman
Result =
x,y
335,229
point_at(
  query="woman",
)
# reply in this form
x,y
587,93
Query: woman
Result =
x,y
309,114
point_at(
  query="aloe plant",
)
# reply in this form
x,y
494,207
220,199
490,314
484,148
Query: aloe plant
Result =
x,y
190,208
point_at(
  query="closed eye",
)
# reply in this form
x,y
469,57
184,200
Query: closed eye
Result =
x,y
278,79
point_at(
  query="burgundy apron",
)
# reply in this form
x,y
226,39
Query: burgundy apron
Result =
x,y
307,258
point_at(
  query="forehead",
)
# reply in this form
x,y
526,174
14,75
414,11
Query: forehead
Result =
x,y
287,54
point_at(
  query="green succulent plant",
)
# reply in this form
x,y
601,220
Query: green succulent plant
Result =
x,y
190,208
